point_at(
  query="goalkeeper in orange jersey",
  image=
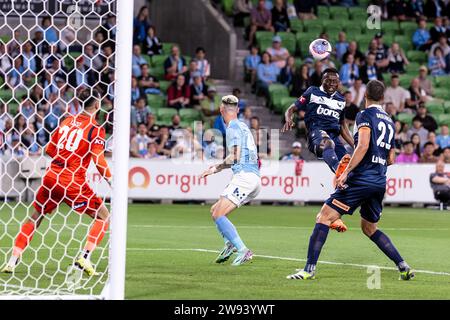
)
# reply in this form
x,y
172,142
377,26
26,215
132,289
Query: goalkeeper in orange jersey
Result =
x,y
78,140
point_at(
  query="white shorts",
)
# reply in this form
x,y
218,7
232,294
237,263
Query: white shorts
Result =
x,y
243,187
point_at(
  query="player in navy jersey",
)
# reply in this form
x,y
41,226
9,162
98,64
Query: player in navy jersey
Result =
x,y
361,184
323,109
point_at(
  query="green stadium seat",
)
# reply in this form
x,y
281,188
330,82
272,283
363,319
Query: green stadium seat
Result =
x,y
288,41
148,59
435,107
164,85
303,41
323,13
333,34
405,79
413,67
158,60
296,25
13,108
165,114
447,106
281,108
390,27
167,46
417,56
442,93
317,30
358,13
408,28
405,118
264,44
227,6
443,82
338,12
5,95
259,35
277,97
158,72
190,115
443,119
276,87
404,42
156,101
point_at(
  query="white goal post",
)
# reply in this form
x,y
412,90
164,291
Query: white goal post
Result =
x,y
38,89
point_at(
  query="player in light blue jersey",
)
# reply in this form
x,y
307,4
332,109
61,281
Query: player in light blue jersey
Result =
x,y
245,185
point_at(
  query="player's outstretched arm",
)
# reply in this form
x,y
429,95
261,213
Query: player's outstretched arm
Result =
x,y
289,118
231,159
358,155
345,133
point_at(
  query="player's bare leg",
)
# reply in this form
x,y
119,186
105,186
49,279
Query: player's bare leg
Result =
x,y
23,239
219,213
370,229
95,236
324,219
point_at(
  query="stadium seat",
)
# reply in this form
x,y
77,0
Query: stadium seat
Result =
x,y
158,60
277,87
443,119
260,35
264,44
323,13
404,42
408,28
13,108
164,85
405,79
443,82
156,101
276,99
190,115
447,106
390,27
5,95
338,12
413,68
227,6
166,114
442,93
416,56
296,25
435,107
405,118
315,29
285,104
358,13
167,46
288,41
158,72
303,41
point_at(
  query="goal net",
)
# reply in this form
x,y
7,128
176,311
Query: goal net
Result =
x,y
50,51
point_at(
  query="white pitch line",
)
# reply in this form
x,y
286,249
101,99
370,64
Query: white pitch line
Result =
x,y
289,259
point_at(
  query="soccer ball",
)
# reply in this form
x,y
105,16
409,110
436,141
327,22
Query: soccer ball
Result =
x,y
320,49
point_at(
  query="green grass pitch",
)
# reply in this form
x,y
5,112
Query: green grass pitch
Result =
x,y
171,249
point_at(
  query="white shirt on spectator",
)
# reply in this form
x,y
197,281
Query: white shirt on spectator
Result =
x,y
397,96
362,91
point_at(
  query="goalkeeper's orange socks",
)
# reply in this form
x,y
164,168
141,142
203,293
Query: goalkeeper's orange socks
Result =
x,y
22,240
96,234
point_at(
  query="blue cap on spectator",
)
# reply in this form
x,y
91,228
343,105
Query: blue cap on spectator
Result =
x,y
276,39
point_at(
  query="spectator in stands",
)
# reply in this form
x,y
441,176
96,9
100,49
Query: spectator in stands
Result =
x,y
445,156
136,91
427,154
199,90
251,63
210,106
179,93
175,64
436,62
108,28
148,83
397,59
90,58
357,92
417,96
139,143
432,138
189,74
391,110
153,151
261,137
399,136
29,57
280,18
241,10
353,50
443,139
300,81
139,113
349,71
316,76
381,52
424,82
48,60
27,107
41,47
278,53
443,44
421,37
306,9
50,34
137,60
295,154
141,24
341,46
203,65
350,109
417,8
80,77
164,141
407,155
440,183
261,20
417,128
370,70
287,73
5,61
176,123
152,45
16,76
267,74
42,136
396,94
437,30
3,116
415,139
242,104
428,121
246,116
397,10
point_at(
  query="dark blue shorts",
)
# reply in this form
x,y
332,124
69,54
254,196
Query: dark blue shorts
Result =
x,y
316,136
369,198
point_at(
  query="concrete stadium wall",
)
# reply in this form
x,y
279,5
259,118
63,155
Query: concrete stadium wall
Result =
x,y
196,23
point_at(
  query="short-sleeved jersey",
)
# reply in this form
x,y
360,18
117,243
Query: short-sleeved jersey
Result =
x,y
372,169
72,146
322,111
238,134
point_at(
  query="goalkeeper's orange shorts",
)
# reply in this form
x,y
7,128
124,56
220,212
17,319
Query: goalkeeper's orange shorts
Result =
x,y
78,196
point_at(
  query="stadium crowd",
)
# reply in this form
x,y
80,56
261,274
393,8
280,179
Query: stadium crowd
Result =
x,y
171,90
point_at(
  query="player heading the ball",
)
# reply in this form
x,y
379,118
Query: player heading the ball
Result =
x,y
78,140
245,184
